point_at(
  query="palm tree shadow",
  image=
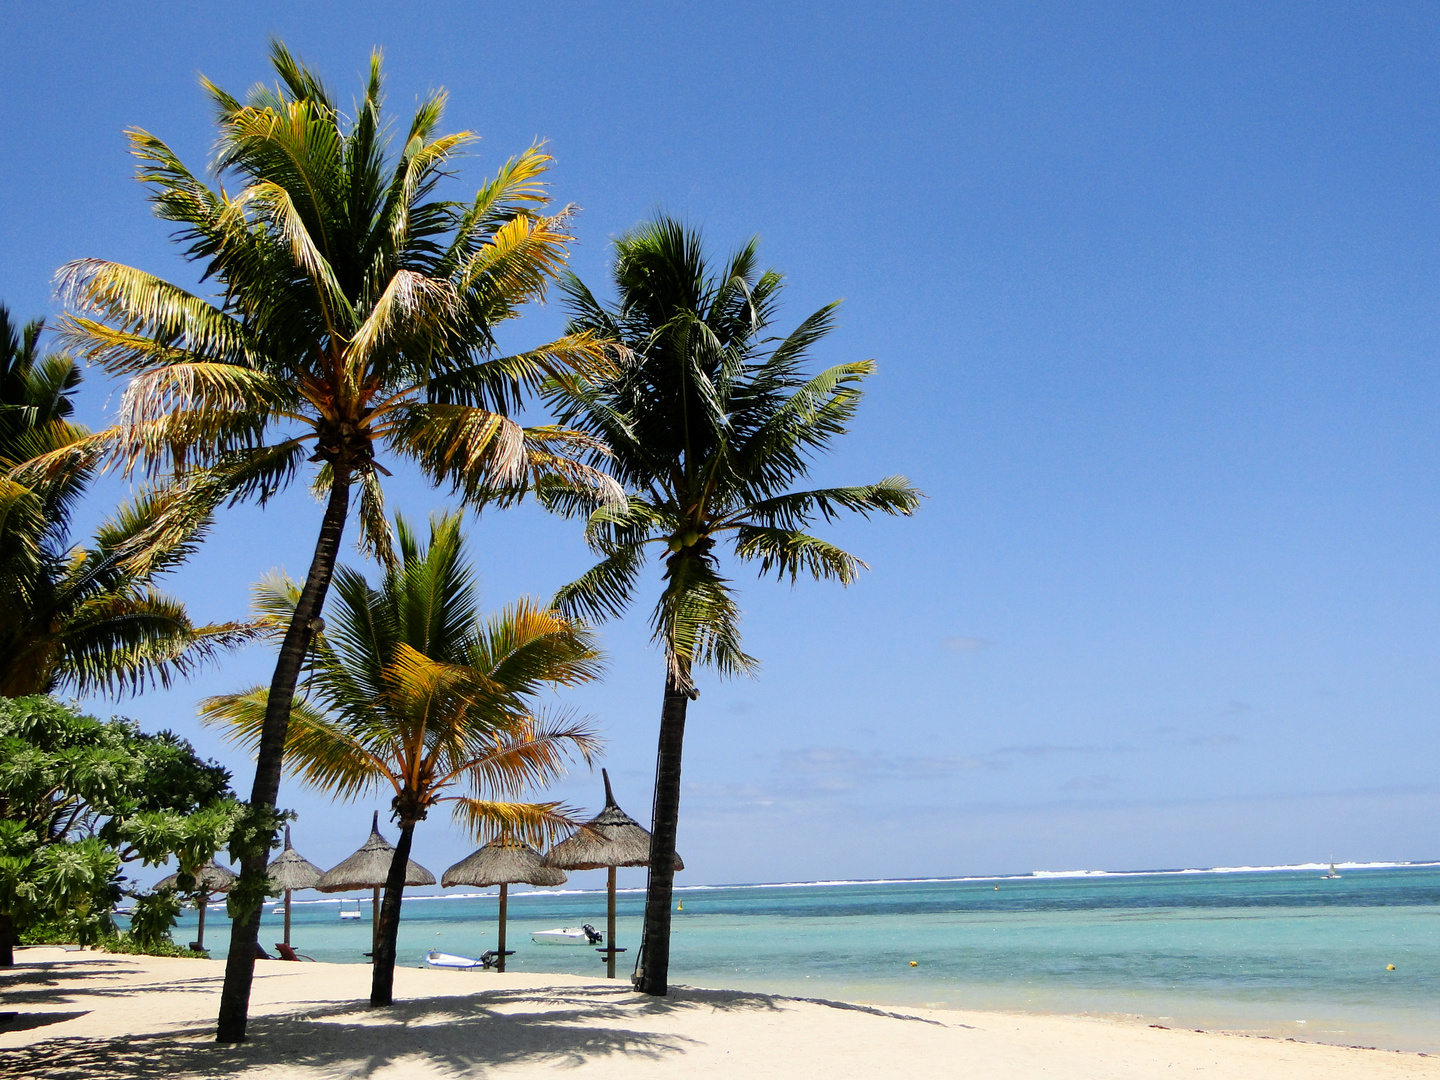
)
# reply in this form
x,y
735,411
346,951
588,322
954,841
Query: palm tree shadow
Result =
x,y
464,1036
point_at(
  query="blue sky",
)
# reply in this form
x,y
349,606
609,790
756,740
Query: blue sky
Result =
x,y
1152,293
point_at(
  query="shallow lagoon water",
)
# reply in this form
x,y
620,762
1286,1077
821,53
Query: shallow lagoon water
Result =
x,y
1284,953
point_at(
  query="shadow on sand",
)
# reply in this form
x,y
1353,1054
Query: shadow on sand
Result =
x,y
562,1026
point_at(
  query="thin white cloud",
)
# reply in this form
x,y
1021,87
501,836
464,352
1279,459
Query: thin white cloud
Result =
x,y
1096,782
964,644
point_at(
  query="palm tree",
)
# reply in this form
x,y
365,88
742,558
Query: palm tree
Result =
x,y
353,312
709,426
409,691
83,619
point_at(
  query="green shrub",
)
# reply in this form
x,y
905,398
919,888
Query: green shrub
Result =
x,y
154,917
128,945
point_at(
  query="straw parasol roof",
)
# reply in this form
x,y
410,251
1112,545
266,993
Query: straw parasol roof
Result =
x,y
611,838
370,866
503,861
211,878
290,870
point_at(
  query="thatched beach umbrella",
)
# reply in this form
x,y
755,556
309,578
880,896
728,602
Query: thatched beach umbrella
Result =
x,y
504,862
212,878
612,838
290,871
367,869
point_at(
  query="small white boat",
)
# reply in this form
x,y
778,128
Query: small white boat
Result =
x,y
568,935
1331,874
450,960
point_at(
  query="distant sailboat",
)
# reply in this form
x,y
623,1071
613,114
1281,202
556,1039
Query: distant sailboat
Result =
x,y
1332,873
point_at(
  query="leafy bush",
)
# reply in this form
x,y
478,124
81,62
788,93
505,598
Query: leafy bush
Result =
x,y
78,798
154,918
126,944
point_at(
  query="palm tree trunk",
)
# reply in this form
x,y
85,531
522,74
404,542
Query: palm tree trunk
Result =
x,y
245,927
652,965
7,940
382,979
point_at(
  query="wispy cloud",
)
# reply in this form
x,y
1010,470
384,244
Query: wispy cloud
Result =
x,y
1046,750
1096,782
1218,738
963,644
833,768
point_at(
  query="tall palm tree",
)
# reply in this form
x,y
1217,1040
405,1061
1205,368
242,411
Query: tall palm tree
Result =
x,y
83,619
710,425
353,313
410,691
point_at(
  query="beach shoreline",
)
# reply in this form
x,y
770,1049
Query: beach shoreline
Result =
x,y
82,1013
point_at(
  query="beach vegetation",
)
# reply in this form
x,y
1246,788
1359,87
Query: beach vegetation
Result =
x,y
709,427
79,799
351,314
84,619
409,691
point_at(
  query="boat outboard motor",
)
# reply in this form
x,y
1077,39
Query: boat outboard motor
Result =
x,y
594,935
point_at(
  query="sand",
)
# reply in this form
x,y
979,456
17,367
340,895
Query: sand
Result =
x,y
87,1014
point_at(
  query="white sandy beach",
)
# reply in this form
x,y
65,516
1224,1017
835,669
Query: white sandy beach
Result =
x,y
87,1014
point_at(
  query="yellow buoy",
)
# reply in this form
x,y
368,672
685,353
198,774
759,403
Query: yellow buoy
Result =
x,y
1389,967
680,906
914,963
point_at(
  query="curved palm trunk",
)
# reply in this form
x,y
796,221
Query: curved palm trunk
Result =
x,y
382,979
245,926
652,965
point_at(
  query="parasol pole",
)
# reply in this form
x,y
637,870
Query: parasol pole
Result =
x,y
200,936
610,923
287,916
504,891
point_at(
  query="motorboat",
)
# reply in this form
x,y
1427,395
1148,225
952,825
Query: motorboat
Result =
x,y
568,935
449,960
436,958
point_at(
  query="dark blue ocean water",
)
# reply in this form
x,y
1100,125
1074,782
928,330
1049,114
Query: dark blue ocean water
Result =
x,y
1283,952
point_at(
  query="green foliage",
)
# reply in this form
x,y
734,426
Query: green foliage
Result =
x,y
71,884
353,311
129,945
80,796
44,931
710,424
87,618
153,919
410,690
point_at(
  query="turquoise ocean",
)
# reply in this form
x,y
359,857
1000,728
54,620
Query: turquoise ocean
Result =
x,y
1282,952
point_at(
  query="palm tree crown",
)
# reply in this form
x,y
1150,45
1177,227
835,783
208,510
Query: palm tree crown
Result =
x,y
409,691
355,311
87,619
709,427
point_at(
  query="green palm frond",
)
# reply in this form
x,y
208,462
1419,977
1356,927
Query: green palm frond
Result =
x,y
789,553
710,423
410,690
